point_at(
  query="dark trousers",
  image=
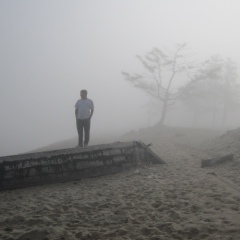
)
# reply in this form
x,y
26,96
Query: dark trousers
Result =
x,y
83,124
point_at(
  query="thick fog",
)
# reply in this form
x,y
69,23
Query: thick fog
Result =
x,y
50,50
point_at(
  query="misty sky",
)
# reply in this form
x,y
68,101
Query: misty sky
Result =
x,y
50,50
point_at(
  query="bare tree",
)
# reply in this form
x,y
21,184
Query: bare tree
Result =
x,y
231,100
162,68
217,94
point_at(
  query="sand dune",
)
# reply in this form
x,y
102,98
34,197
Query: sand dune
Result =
x,y
179,200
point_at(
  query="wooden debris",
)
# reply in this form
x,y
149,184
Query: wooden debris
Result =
x,y
218,160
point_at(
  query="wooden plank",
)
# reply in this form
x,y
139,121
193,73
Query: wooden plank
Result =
x,y
215,161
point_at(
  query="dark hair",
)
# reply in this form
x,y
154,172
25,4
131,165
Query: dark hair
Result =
x,y
83,91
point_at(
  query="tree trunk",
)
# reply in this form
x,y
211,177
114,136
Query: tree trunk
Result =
x,y
195,118
164,112
225,113
213,125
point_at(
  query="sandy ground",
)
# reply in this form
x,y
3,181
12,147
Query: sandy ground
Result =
x,y
177,200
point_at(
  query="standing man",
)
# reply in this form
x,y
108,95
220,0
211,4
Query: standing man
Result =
x,y
83,111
